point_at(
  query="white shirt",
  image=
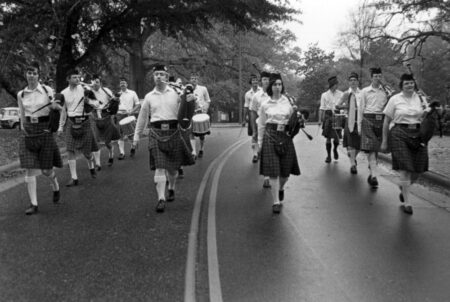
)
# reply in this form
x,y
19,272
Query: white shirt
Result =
x,y
373,100
34,99
329,99
159,106
259,98
72,99
249,95
274,112
404,110
203,100
128,100
102,97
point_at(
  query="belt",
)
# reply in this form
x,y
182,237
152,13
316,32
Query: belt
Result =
x,y
373,115
278,127
164,125
37,119
409,126
77,119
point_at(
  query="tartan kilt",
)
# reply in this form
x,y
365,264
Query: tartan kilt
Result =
x,y
351,139
407,153
169,149
371,133
327,127
272,164
47,157
85,144
107,132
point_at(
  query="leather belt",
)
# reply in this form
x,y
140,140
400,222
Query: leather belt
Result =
x,y
409,126
164,125
37,119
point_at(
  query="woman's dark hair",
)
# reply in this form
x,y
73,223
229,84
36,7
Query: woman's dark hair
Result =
x,y
272,81
407,77
34,65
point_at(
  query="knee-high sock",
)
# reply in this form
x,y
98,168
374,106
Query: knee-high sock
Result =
x,y
73,168
110,150
97,157
160,181
121,146
255,149
405,185
202,143
328,147
54,181
373,164
172,177
283,181
336,144
274,189
194,146
31,187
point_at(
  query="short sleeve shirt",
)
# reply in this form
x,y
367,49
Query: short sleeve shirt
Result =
x,y
329,99
403,110
249,95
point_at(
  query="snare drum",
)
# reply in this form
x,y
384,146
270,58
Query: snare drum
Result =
x,y
127,125
338,121
201,124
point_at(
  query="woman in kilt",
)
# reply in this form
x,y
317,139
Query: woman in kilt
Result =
x,y
278,157
350,102
168,146
37,146
409,156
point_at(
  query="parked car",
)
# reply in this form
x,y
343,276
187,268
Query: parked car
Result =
x,y
10,117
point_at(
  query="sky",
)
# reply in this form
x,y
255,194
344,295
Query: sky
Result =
x,y
322,21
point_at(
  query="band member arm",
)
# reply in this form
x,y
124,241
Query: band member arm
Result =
x,y
142,120
22,111
386,123
62,118
261,125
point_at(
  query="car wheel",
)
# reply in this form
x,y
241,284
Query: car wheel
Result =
x,y
14,126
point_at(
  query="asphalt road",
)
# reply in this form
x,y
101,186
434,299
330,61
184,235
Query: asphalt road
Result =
x,y
335,240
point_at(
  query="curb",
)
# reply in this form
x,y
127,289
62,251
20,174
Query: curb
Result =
x,y
16,164
433,177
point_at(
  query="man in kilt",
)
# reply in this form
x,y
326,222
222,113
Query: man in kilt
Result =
x,y
406,110
106,131
350,103
254,82
370,122
328,101
259,97
129,105
77,126
278,156
37,146
169,147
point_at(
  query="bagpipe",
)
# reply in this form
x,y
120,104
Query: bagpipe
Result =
x,y
297,120
187,109
54,114
111,108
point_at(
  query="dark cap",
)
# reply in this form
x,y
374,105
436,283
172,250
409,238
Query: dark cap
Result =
x,y
160,67
332,81
353,75
375,70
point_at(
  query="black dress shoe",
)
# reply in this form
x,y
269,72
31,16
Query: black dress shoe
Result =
x,y
171,195
93,173
255,159
328,160
200,154
276,208
110,161
407,209
72,183
374,183
353,170
121,156
98,167
32,209
266,183
56,196
336,154
400,196
132,152
281,195
161,206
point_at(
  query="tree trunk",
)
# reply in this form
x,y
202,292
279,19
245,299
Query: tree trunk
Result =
x,y
137,69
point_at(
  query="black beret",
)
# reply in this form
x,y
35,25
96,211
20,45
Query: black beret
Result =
x,y
159,67
375,70
353,75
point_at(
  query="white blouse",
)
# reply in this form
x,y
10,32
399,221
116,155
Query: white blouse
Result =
x,y
34,99
273,112
404,110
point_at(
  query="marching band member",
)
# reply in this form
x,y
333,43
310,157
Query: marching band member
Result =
x,y
37,147
129,104
409,156
370,122
248,98
278,156
202,105
168,146
78,132
328,100
105,130
259,97
350,102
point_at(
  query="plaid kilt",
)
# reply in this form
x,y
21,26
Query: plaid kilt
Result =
x,y
272,164
327,127
105,130
169,149
371,133
407,153
86,144
351,139
47,157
